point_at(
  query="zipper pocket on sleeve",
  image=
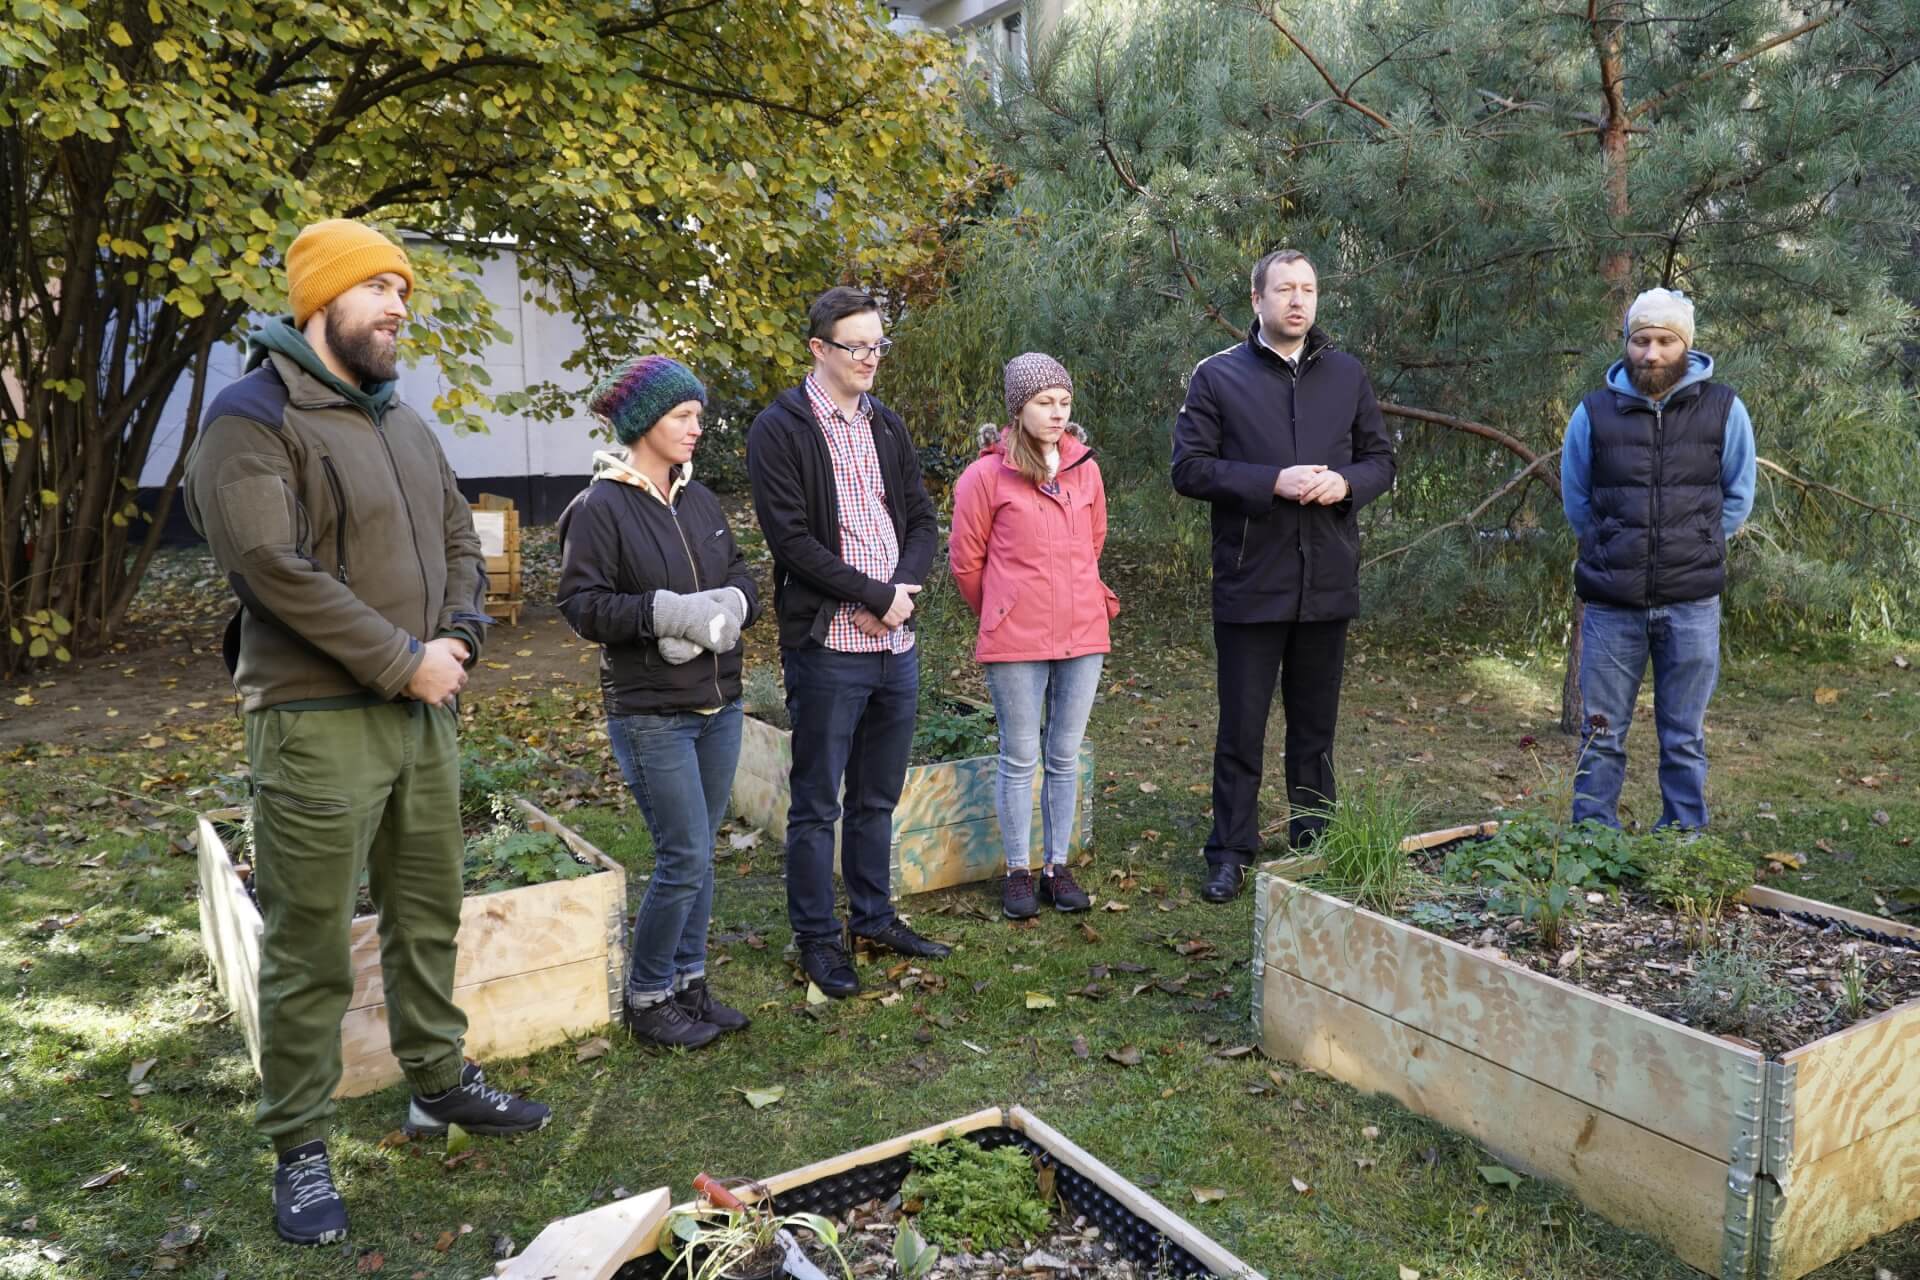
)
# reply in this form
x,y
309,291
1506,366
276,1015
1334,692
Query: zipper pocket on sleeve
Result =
x,y
339,515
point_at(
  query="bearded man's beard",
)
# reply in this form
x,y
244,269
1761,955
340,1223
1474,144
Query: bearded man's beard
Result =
x,y
362,350
1654,379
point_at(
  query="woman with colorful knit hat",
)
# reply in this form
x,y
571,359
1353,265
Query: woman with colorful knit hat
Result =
x,y
1029,522
649,570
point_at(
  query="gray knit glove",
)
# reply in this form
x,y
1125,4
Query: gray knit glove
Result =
x,y
676,651
698,617
732,602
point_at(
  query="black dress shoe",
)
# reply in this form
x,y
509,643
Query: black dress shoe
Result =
x,y
697,1002
897,937
825,962
1223,882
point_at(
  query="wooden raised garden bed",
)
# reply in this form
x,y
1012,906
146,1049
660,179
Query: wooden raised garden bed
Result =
x,y
944,830
538,964
1745,1166
622,1239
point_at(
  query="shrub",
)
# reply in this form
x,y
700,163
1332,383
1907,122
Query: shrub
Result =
x,y
1733,989
966,1197
1695,873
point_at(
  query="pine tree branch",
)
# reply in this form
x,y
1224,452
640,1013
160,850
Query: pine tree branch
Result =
x,y
1842,494
1667,95
1512,444
1269,10
1521,477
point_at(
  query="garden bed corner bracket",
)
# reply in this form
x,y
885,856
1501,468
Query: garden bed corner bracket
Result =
x,y
1262,908
1776,1165
1744,1162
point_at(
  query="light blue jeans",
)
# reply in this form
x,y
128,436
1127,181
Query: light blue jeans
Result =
x,y
1064,690
1683,640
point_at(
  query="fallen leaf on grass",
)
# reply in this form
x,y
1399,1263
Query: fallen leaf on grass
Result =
x,y
598,1047
1148,788
138,1071
744,839
814,994
759,1098
458,1140
371,1262
1408,1273
1500,1176
1080,1049
1371,1133
1207,1195
1039,1000
1826,697
1304,1188
1237,1051
1114,904
1126,1056
1788,861
1091,934
182,1239
101,1181
444,1243
394,1138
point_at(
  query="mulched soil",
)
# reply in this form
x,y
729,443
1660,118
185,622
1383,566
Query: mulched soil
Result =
x,y
1075,1247
1628,948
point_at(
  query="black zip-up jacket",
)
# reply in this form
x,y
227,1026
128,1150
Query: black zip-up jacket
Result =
x,y
794,498
1248,416
618,545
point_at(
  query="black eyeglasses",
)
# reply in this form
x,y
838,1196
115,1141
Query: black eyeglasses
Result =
x,y
875,351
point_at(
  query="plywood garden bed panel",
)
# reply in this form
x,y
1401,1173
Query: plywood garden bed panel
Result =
x,y
537,965
945,831
621,1239
1745,1167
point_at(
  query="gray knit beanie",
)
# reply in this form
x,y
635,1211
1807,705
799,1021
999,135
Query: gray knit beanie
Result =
x,y
1030,374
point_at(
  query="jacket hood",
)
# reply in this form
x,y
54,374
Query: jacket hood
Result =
x,y
1073,444
1699,369
1317,341
283,337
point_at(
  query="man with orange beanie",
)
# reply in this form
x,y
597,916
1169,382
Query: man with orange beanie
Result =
x,y
331,509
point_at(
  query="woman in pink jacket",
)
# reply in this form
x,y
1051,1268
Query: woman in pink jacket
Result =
x,y
1029,520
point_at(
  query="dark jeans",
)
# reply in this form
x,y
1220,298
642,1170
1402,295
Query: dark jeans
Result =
x,y
680,770
852,717
1307,659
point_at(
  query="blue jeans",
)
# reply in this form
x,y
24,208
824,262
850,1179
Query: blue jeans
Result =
x,y
680,769
1064,688
1684,642
852,716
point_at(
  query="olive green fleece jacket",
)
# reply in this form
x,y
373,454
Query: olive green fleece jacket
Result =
x,y
335,517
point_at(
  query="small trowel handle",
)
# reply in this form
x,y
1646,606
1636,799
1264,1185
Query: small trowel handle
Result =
x,y
716,1195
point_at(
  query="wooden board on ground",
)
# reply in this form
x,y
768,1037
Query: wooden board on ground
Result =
x,y
1775,899
1628,1173
230,928
591,1245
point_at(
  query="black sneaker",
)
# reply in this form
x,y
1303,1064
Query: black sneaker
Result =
x,y
898,938
666,1024
1016,896
697,1002
477,1107
825,962
307,1208
1059,887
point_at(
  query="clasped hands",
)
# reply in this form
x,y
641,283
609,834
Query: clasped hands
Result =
x,y
698,622
1312,484
878,625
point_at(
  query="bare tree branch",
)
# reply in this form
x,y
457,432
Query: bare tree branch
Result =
x,y
1269,11
1842,494
1667,95
1523,476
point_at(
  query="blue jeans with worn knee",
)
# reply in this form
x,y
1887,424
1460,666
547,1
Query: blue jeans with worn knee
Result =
x,y
1683,641
1063,689
680,770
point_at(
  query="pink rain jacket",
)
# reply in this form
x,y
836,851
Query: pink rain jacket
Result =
x,y
1028,561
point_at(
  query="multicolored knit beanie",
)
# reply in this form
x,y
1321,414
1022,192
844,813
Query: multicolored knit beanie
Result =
x,y
1030,374
641,392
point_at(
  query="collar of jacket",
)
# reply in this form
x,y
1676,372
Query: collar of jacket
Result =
x,y
1317,341
1074,448
310,384
611,466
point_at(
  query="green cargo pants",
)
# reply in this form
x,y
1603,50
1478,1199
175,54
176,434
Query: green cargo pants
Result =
x,y
336,791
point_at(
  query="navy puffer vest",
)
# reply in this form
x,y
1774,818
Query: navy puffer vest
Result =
x,y
1655,535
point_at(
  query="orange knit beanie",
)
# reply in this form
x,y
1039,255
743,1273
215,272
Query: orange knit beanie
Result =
x,y
329,258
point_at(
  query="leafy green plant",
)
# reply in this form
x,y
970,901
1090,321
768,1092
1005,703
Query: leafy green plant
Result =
x,y
1547,897
1733,988
966,1197
912,1255
1856,993
482,778
1360,846
1695,873
507,855
1537,845
711,1244
952,731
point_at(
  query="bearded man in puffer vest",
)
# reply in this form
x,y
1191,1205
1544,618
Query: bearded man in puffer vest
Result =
x,y
1656,474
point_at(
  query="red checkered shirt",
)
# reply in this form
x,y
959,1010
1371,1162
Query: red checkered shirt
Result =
x,y
867,538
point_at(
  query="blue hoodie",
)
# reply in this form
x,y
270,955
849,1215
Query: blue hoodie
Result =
x,y
1736,454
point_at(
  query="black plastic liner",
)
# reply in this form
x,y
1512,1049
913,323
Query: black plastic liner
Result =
x,y
832,1196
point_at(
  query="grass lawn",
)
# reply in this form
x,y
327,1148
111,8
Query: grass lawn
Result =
x,y
99,945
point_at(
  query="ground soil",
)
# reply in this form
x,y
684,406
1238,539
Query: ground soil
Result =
x,y
1075,1247
1627,947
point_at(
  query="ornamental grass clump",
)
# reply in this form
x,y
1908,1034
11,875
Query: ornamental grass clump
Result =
x,y
1360,851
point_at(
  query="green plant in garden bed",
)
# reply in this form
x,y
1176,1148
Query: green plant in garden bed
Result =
x,y
1734,989
507,855
1536,845
1360,846
713,1244
966,1197
1695,873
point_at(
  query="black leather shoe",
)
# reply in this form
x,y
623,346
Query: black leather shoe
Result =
x,y
826,963
898,938
697,1002
1223,882
667,1024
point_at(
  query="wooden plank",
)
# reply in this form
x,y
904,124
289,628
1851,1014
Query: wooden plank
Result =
x,y
591,1245
536,926
1856,1083
1839,1202
1633,1065
1427,840
539,819
1761,896
506,1018
1635,1176
230,928
1139,1203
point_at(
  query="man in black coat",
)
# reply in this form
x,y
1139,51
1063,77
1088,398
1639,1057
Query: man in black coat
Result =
x,y
837,489
1282,435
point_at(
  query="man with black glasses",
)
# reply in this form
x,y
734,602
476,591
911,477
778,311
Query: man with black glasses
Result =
x,y
837,489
